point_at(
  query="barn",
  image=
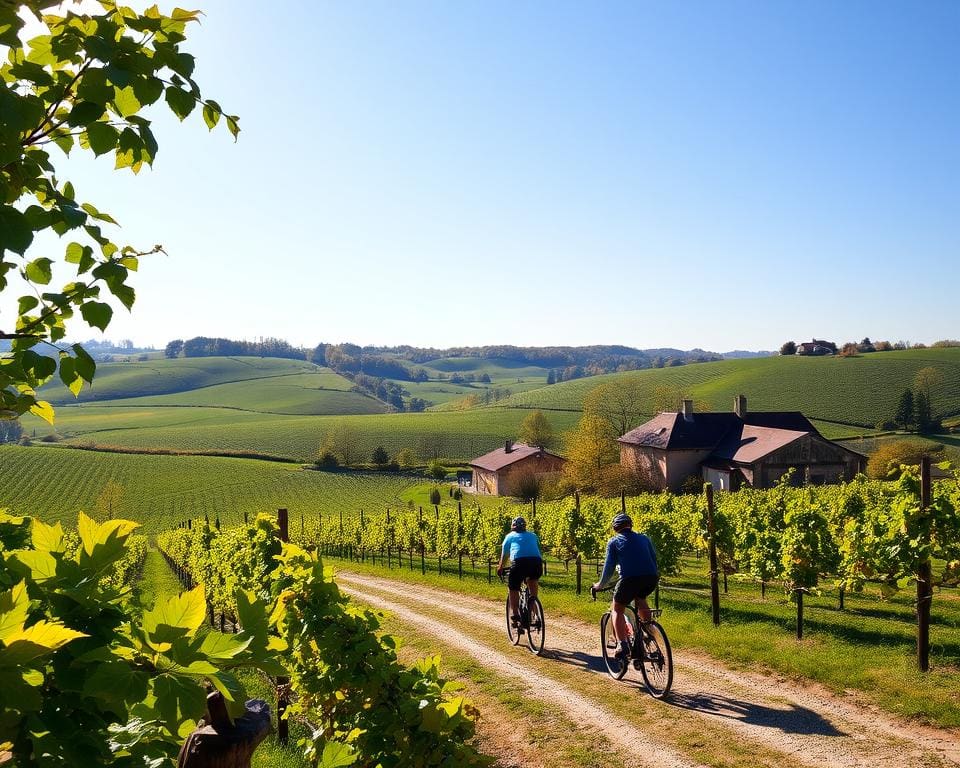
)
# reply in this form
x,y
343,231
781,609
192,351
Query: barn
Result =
x,y
736,449
500,472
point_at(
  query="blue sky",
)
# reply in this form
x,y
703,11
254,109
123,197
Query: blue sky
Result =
x,y
718,175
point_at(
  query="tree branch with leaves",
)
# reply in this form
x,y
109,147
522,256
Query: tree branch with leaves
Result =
x,y
82,84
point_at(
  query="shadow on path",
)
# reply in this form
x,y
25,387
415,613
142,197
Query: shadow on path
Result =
x,y
788,717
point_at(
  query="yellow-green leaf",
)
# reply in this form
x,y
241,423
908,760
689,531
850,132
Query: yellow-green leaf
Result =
x,y
14,605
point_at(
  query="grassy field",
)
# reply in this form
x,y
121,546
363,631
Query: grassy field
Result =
x,y
449,435
158,491
860,390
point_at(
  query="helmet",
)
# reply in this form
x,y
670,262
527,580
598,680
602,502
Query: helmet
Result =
x,y
622,521
518,524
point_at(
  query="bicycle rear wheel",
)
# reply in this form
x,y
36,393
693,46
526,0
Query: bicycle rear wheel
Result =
x,y
537,630
513,631
657,666
617,667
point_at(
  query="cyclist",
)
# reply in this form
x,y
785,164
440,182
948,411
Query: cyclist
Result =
x,y
523,549
639,576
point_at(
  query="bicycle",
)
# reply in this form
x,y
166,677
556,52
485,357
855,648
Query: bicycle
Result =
x,y
531,619
649,649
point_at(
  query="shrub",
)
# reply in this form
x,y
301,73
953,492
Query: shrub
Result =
x,y
327,460
434,496
457,494
788,348
850,349
885,462
527,487
436,470
380,456
886,425
53,437
405,458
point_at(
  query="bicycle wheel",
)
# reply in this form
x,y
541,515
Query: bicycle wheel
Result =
x,y
657,666
537,630
513,632
617,667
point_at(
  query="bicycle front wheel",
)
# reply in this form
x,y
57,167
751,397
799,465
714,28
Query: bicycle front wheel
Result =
x,y
537,630
513,631
657,666
616,666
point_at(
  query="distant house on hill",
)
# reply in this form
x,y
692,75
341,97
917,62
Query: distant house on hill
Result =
x,y
816,347
735,449
499,472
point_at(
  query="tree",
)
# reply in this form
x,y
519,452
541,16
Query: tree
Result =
x,y
537,430
380,456
420,375
80,85
850,349
788,348
905,411
484,378
405,458
318,355
669,399
866,345
620,404
10,430
416,405
923,413
173,348
341,441
436,470
926,380
551,377
591,448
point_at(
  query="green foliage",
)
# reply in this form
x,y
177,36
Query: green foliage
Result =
x,y
86,680
81,84
344,673
434,495
536,429
436,470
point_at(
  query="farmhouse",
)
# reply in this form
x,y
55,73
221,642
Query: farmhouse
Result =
x,y
816,347
501,471
735,449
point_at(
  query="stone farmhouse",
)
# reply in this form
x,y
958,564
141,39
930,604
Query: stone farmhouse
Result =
x,y
500,472
736,449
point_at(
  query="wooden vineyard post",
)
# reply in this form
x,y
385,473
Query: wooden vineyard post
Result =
x,y
714,585
206,546
423,546
623,501
283,726
459,540
363,538
579,573
220,743
924,577
489,571
800,592
386,536
340,537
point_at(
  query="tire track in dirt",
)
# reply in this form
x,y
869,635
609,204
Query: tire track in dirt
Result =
x,y
618,731
811,727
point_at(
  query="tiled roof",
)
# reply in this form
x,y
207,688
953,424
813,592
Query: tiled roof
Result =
x,y
727,435
500,458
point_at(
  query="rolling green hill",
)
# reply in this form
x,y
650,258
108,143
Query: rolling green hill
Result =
x,y
859,391
161,377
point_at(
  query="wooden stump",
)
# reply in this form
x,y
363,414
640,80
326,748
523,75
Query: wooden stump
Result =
x,y
218,743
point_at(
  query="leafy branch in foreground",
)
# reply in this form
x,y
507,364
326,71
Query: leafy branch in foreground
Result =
x,y
82,84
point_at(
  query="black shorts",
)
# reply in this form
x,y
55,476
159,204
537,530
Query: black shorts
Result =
x,y
524,568
631,588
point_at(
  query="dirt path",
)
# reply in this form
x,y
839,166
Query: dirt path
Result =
x,y
806,726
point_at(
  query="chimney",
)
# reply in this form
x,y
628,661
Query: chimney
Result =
x,y
508,446
688,410
740,405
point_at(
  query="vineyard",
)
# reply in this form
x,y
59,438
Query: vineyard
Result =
x,y
54,483
842,540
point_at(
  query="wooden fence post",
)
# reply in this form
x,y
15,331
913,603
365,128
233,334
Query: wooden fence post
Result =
x,y
714,585
924,577
423,548
386,535
459,540
218,743
800,613
579,573
283,725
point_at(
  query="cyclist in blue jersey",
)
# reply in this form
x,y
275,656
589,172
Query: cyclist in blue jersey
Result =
x,y
639,575
523,549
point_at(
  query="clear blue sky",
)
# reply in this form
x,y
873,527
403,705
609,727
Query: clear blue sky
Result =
x,y
719,175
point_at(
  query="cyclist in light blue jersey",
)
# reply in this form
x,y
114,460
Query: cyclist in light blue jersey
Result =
x,y
523,549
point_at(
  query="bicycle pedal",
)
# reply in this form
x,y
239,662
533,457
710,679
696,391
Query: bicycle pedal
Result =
x,y
637,663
